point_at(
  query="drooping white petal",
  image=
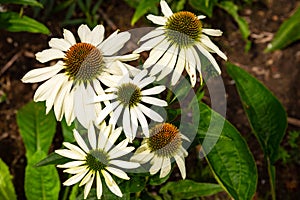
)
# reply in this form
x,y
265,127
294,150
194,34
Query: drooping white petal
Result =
x,y
165,168
157,163
156,53
80,141
124,164
166,10
69,108
181,165
111,184
150,44
92,136
157,19
210,58
60,44
206,41
75,179
42,74
170,66
115,115
198,63
191,66
154,101
142,120
142,157
108,109
150,113
134,122
163,61
84,33
49,54
97,35
45,90
178,68
127,124
117,172
59,100
153,34
68,35
98,185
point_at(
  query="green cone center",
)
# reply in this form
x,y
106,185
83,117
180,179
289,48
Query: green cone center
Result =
x,y
183,28
164,140
129,94
83,62
97,160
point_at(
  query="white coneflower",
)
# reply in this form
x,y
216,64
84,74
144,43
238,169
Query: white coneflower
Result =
x,y
129,95
178,44
97,159
78,74
164,143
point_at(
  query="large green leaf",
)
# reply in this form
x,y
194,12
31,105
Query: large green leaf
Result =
x,y
288,32
41,183
205,6
7,190
23,2
13,22
232,9
143,7
37,129
230,158
188,189
266,114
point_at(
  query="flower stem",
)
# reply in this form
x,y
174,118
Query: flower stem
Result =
x,y
271,172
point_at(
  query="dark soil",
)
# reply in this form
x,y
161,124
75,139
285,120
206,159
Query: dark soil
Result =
x,y
279,71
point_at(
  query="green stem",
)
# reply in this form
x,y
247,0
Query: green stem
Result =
x,y
271,172
66,193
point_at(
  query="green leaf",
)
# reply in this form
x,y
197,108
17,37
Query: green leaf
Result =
x,y
229,158
266,114
41,183
289,32
7,190
37,129
67,131
22,2
155,180
13,22
206,7
188,189
134,184
52,159
232,9
143,7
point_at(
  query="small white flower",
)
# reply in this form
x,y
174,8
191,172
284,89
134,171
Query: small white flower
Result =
x,y
78,74
179,43
164,143
97,158
129,95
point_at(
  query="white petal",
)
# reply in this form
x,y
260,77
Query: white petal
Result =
x,y
165,168
98,185
120,150
181,165
201,16
88,187
42,74
69,107
76,170
154,101
72,164
206,41
170,66
150,113
75,179
84,33
142,157
127,125
117,172
97,35
60,44
157,19
156,54
191,66
112,138
163,62
157,163
92,136
154,90
44,91
198,63
80,141
178,68
103,136
134,122
115,115
108,109
212,32
166,10
150,44
146,82
142,121
154,33
74,148
104,97
111,184
49,54
113,44
128,57
68,35
124,164
140,76
210,58
59,108
87,178
70,154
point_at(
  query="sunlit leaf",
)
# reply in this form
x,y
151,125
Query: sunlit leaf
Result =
x,y
229,158
289,32
7,190
41,183
13,22
22,2
143,7
188,189
266,114
37,129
